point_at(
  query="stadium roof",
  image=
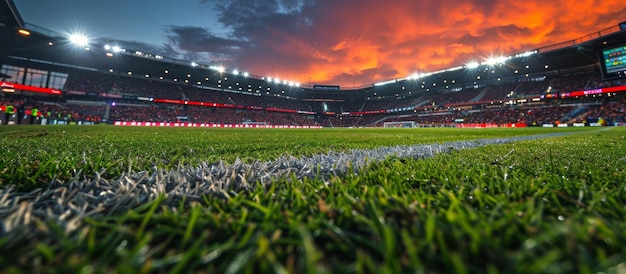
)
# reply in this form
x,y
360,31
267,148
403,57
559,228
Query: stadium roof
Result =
x,y
52,51
9,16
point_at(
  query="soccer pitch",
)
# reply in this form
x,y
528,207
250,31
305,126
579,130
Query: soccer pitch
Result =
x,y
131,199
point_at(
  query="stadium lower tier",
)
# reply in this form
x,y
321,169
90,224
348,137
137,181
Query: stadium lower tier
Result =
x,y
39,111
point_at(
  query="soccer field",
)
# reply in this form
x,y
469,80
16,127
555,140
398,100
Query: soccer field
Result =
x,y
139,199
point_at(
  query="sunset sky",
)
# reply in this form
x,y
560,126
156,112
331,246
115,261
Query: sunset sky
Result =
x,y
343,42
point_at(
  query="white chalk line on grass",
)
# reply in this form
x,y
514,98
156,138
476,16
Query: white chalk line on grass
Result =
x,y
69,203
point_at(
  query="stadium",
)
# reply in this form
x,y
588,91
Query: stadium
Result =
x,y
119,160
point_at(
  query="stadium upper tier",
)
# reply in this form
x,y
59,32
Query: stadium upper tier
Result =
x,y
46,50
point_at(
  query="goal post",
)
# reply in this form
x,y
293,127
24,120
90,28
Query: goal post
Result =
x,y
403,124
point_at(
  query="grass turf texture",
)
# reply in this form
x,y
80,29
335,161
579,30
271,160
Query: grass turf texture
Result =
x,y
549,205
35,156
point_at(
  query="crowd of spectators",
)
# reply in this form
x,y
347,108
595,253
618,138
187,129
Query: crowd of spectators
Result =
x,y
25,108
253,107
609,112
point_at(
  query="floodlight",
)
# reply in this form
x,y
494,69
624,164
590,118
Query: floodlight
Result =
x,y
221,69
492,61
472,65
79,39
194,64
235,72
246,74
23,32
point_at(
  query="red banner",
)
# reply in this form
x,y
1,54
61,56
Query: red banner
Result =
x,y
593,91
14,86
216,125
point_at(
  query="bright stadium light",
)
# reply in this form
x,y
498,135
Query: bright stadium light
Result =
x,y
23,32
413,76
472,65
235,72
246,74
492,61
114,48
526,54
79,39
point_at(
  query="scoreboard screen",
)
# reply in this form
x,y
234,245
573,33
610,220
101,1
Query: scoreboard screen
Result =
x,y
613,62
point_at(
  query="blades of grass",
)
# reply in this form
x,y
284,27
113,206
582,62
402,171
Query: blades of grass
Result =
x,y
458,264
246,237
136,251
430,227
46,251
148,216
263,246
91,240
195,212
257,206
216,252
311,255
240,261
190,253
411,250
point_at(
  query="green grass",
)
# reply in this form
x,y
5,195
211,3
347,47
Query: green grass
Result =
x,y
545,206
34,156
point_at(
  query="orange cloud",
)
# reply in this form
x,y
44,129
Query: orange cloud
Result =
x,y
367,41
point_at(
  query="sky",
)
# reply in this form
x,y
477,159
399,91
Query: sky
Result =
x,y
350,43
